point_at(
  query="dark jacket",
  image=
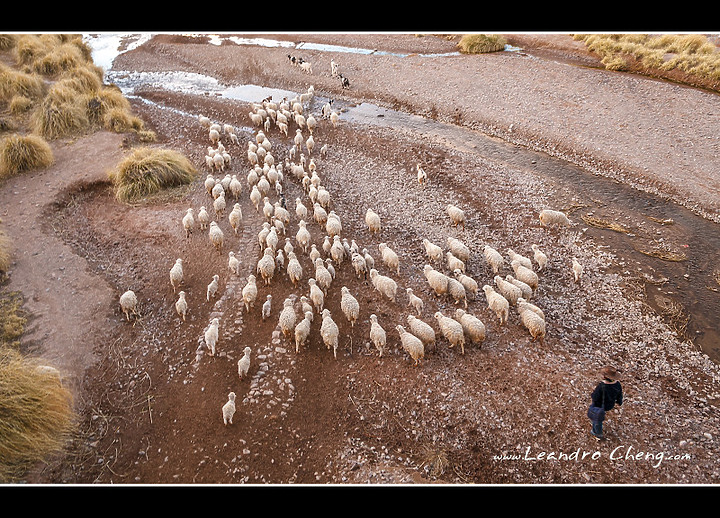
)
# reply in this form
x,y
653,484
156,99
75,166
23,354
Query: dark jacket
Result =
x,y
613,395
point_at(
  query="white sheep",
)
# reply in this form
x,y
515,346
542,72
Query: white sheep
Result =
x,y
329,331
211,335
457,215
228,409
212,288
310,144
389,257
525,275
550,217
334,118
452,330
256,197
540,258
294,269
249,293
497,303
203,218
493,258
322,275
514,256
300,209
385,285
217,237
433,251
470,284
454,263
527,291
243,363
235,218
508,290
128,303
369,261
233,263
414,301
217,190
302,331
316,295
360,265
181,305
209,183
457,291
266,266
267,307
349,306
319,214
529,306
188,221
533,322
473,327
333,227
377,335
306,306
176,274
422,330
219,205
302,237
204,121
287,318
458,249
372,220
214,136
411,344
577,269
438,281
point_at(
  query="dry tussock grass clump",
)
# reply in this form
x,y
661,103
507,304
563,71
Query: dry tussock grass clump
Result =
x,y
14,82
481,43
19,153
12,319
148,171
37,414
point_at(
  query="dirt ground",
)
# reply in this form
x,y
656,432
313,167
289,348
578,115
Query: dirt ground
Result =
x,y
509,411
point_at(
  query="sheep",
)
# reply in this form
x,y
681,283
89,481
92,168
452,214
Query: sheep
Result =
x,y
470,284
438,281
452,330
214,136
217,190
433,251
310,144
181,305
203,218
473,327
369,261
249,293
333,226
422,330
188,221
302,237
243,363
323,197
311,123
235,187
334,118
212,288
414,301
493,258
385,285
533,322
457,291
389,257
525,275
577,269
228,409
532,307
302,331
256,197
411,344
329,331
219,205
497,303
300,209
458,249
211,335
457,215
454,263
266,266
349,306
306,306
209,183
235,218
525,261
421,175
272,239
377,335
306,67
540,257
322,275
287,318
176,274
337,250
527,291
128,303
294,269
360,265
316,295
550,217
508,290
204,121
372,220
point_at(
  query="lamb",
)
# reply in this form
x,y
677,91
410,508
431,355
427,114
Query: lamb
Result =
x,y
329,331
457,215
497,303
203,218
414,301
181,305
385,285
212,288
302,331
233,263
473,327
457,291
128,303
411,344
470,284
458,249
493,258
554,218
372,220
228,409
176,274
577,269
249,293
389,257
188,221
540,257
211,335
532,307
350,306
533,322
287,318
235,218
525,275
266,266
267,307
244,363
302,237
438,281
377,335
452,330
454,263
422,330
434,252
216,235
525,261
294,269
316,295
508,290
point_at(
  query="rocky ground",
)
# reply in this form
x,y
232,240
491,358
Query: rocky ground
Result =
x,y
149,395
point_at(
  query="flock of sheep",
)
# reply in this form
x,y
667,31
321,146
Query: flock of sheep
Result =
x,y
279,254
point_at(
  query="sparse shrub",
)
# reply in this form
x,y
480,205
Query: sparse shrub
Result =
x,y
481,43
19,153
12,316
149,170
20,104
14,82
37,414
120,121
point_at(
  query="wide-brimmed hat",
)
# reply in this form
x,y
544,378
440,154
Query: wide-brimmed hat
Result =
x,y
610,373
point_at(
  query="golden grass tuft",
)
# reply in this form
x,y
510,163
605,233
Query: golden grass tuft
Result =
x,y
481,43
149,170
36,412
14,82
19,153
602,223
12,318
